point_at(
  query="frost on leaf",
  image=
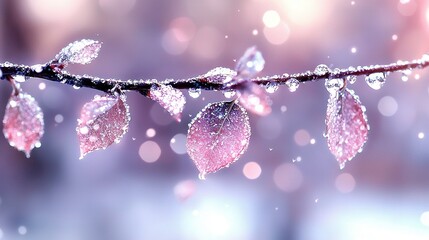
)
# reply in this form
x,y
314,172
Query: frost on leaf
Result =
x,y
102,122
254,98
23,122
169,98
218,136
82,52
250,63
346,125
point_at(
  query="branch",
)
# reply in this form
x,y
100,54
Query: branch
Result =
x,y
220,133
202,82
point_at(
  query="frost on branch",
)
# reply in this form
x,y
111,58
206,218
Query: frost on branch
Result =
x,y
23,122
346,125
218,136
220,75
169,98
102,122
81,52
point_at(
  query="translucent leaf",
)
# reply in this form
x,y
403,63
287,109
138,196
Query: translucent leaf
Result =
x,y
218,136
23,122
102,122
254,98
82,52
250,63
169,98
346,125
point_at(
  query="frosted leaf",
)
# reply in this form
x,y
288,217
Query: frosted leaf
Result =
x,y
220,75
321,70
82,52
375,80
254,98
333,85
102,122
346,125
250,63
23,122
218,136
292,84
169,98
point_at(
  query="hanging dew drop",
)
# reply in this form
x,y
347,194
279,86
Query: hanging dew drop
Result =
x,y
351,79
271,87
194,92
229,93
334,85
292,84
375,80
76,87
19,78
202,176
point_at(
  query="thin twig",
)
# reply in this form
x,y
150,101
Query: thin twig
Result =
x,y
200,82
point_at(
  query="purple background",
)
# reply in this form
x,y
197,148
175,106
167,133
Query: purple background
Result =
x,y
115,194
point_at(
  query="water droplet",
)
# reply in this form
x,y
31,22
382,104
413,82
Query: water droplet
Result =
x,y
38,68
375,80
321,70
351,79
271,87
76,87
334,85
194,92
202,176
19,78
220,75
229,93
292,84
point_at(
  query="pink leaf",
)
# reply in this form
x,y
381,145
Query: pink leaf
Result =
x,y
250,63
218,136
169,98
82,52
254,98
346,125
23,122
102,122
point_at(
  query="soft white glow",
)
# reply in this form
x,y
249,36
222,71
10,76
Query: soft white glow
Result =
x,y
271,19
387,106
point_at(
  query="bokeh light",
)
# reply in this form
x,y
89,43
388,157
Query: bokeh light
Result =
x,y
252,170
288,177
149,151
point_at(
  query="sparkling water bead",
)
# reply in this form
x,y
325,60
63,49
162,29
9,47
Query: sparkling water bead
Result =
x,y
334,85
321,70
292,84
375,80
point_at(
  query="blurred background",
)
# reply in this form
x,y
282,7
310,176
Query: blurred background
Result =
x,y
286,186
